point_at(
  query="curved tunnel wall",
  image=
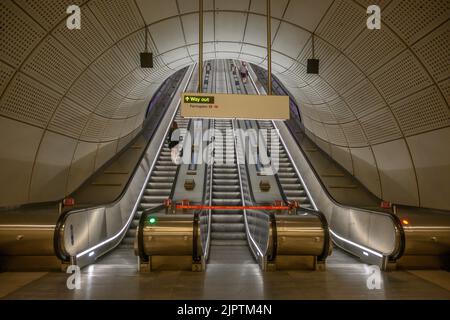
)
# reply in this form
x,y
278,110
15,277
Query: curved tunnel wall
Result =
x,y
380,105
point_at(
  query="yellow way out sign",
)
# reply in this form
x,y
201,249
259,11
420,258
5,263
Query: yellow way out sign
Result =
x,y
239,106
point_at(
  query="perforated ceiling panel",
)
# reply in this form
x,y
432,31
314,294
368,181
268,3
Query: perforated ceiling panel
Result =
x,y
325,115
339,24
124,108
94,128
51,63
6,73
29,101
434,51
342,74
128,82
400,77
325,90
88,90
167,35
423,111
134,44
69,119
380,126
112,130
108,106
112,66
355,135
363,98
290,40
341,110
119,17
48,12
89,42
19,34
336,135
445,88
370,50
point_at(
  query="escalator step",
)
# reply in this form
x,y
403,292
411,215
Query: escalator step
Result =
x,y
228,236
227,227
229,242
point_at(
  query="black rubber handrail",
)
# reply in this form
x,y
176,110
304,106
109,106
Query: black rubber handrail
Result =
x,y
196,256
271,255
206,176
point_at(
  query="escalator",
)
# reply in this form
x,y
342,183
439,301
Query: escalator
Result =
x,y
159,185
232,230
228,237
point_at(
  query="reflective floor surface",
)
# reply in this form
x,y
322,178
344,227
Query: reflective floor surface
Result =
x,y
116,277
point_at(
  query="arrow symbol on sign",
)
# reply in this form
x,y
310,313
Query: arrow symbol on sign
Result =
x,y
186,99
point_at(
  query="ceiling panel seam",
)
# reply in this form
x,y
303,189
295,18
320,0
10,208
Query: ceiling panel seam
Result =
x,y
182,29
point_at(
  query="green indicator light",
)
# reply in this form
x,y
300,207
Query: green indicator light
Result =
x,y
152,220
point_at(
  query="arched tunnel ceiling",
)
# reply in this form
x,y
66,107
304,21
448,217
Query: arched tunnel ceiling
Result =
x,y
380,105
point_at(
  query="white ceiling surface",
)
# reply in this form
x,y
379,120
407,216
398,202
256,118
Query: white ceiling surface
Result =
x,y
380,106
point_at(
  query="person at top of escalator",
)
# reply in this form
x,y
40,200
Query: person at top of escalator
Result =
x,y
243,71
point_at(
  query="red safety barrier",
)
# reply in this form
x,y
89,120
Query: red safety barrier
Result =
x,y
200,207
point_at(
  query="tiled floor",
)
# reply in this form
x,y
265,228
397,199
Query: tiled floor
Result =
x,y
116,277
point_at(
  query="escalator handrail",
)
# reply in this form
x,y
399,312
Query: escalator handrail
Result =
x,y
197,213
208,178
271,215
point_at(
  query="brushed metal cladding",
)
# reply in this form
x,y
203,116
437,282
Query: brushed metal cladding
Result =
x,y
98,230
26,240
427,241
171,235
299,235
28,231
